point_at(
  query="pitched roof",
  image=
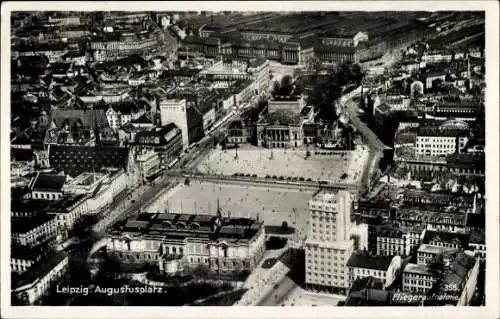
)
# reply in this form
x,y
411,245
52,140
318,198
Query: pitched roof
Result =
x,y
39,270
89,118
24,225
364,260
49,182
448,237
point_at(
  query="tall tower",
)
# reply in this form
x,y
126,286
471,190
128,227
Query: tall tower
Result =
x,y
328,244
175,111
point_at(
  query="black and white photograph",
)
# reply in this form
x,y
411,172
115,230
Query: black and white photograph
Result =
x,y
240,156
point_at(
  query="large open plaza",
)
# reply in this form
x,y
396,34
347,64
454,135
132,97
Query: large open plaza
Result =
x,y
273,205
320,165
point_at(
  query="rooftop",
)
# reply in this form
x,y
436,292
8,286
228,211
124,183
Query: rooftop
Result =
x,y
74,160
437,131
447,237
181,226
418,269
48,182
24,225
282,117
39,270
364,260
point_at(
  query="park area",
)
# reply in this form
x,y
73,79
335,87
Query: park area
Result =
x,y
272,205
326,166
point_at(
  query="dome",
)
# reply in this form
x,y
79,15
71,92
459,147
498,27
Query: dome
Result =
x,y
455,123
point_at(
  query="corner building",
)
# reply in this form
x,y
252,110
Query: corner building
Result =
x,y
328,244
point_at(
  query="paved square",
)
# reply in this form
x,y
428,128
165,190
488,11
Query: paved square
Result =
x,y
273,205
277,162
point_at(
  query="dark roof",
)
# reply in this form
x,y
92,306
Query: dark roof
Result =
x,y
89,118
446,237
74,160
125,107
39,270
476,221
49,182
21,154
436,131
282,117
25,252
478,236
364,260
368,291
332,48
24,225
35,206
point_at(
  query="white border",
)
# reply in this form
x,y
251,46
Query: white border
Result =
x,y
492,163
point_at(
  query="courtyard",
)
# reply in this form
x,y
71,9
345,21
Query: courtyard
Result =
x,y
272,205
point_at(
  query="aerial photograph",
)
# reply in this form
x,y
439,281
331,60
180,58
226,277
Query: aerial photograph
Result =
x,y
247,158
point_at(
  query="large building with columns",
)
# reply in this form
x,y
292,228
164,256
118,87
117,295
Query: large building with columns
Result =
x,y
180,241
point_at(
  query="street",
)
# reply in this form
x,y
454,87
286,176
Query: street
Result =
x,y
372,139
278,292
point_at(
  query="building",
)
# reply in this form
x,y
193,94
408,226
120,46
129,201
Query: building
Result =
x,y
259,70
165,239
418,278
101,188
75,160
113,46
393,240
329,244
457,240
43,220
477,243
238,133
440,141
426,254
175,111
33,284
148,162
461,274
123,113
79,127
431,79
368,291
282,126
165,140
23,257
47,186
384,268
35,230
244,91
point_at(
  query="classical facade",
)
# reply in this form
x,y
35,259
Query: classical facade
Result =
x,y
177,241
